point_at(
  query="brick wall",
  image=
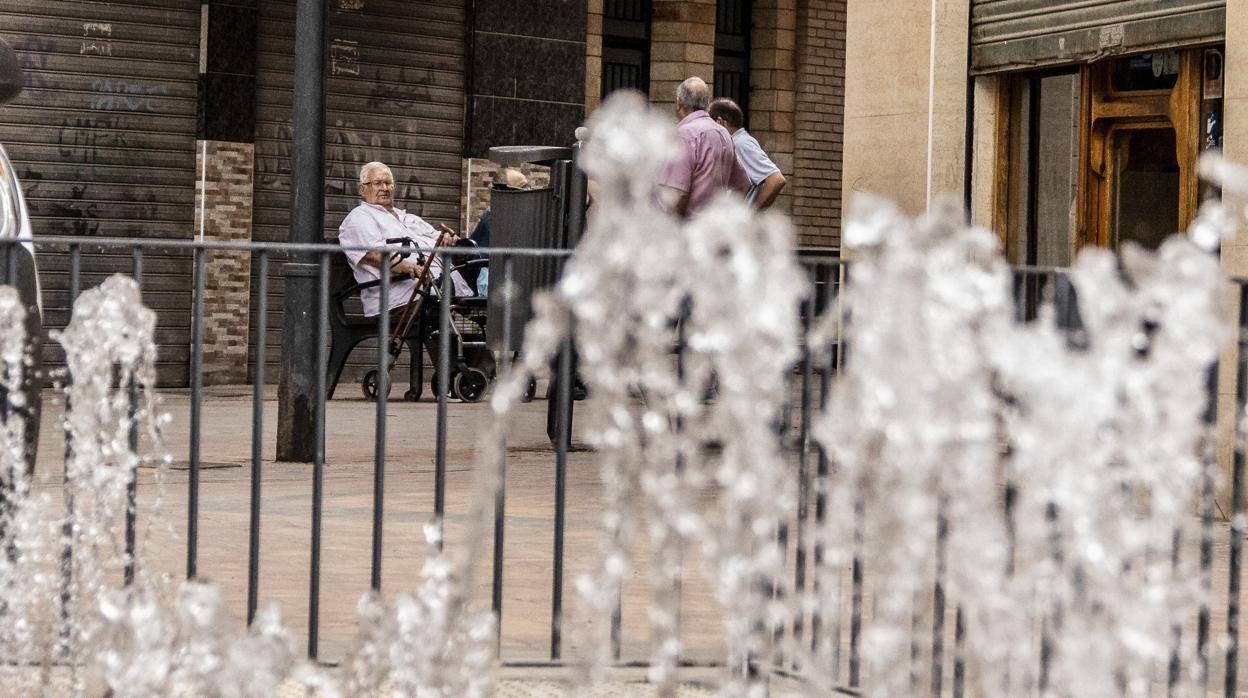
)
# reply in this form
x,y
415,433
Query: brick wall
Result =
x,y
223,200
773,73
819,116
682,44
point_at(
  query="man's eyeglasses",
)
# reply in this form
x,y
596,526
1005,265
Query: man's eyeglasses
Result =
x,y
380,183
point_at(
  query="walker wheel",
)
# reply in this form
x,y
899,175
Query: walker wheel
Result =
x,y
470,384
369,385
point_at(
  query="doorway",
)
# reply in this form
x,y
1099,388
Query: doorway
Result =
x,y
1105,153
1140,141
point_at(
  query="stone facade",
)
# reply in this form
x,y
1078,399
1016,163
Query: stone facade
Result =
x,y
223,208
905,97
1234,252
528,73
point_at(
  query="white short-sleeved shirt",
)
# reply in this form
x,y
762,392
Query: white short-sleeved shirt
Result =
x,y
370,225
758,166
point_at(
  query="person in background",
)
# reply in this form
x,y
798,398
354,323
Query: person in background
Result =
x,y
766,181
707,161
509,178
370,224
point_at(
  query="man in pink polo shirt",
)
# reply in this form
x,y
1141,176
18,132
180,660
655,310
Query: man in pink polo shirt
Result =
x,y
707,163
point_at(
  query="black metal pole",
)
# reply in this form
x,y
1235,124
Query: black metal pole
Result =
x,y
959,653
1207,506
297,411
1235,564
803,469
132,487
197,406
563,402
379,429
938,597
67,528
320,360
257,436
500,497
444,389
855,618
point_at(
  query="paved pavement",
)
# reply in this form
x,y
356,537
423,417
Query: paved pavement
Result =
x,y
284,577
225,453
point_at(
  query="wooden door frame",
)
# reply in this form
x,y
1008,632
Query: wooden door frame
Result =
x,y
1105,111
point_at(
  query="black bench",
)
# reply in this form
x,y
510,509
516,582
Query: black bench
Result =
x,y
349,327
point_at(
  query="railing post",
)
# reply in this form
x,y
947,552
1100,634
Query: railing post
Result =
x,y
1235,562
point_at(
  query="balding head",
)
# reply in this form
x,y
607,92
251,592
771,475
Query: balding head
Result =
x,y
692,95
514,178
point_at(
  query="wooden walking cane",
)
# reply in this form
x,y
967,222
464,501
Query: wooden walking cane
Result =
x,y
410,311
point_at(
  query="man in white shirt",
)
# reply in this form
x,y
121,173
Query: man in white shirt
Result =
x,y
373,222
766,181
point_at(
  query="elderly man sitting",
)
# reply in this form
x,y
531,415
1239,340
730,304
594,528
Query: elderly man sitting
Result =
x,y
374,221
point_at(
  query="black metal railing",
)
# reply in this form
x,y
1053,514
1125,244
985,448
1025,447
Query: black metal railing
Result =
x,y
811,381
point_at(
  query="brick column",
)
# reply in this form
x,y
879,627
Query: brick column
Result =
x,y
593,56
223,213
225,159
682,44
773,72
820,121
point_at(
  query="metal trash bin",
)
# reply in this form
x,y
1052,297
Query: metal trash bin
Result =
x,y
549,218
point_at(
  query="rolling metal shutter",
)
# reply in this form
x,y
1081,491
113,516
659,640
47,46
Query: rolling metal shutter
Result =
x,y
394,93
1021,34
103,137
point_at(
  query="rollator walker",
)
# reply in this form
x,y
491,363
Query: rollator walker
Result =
x,y
471,364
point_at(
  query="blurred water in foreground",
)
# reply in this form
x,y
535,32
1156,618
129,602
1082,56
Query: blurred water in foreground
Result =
x,y
1042,476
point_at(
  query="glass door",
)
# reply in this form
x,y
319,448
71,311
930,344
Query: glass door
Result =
x,y
1144,186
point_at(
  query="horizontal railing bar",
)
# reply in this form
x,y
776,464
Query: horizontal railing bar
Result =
x,y
821,255
254,246
631,664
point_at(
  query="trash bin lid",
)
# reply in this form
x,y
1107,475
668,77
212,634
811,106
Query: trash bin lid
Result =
x,y
519,154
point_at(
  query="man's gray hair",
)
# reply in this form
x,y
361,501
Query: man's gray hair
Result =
x,y
371,167
693,94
